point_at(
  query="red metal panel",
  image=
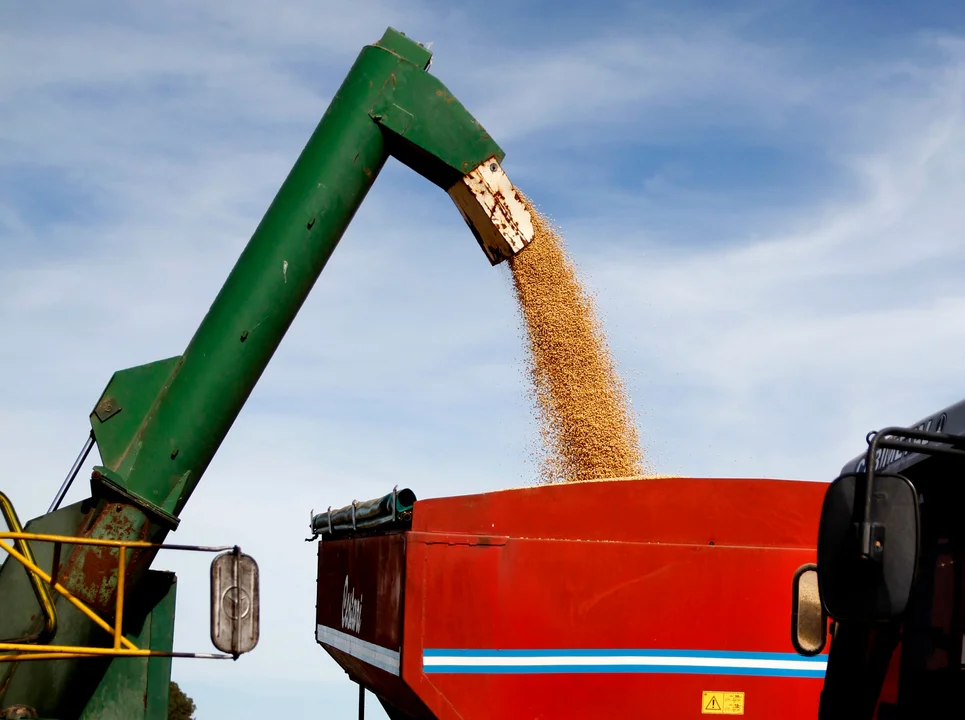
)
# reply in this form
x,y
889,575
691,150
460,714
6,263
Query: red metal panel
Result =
x,y
360,588
701,565
535,594
414,625
698,569
359,598
772,513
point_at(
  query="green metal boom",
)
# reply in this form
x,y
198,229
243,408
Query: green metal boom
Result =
x,y
157,426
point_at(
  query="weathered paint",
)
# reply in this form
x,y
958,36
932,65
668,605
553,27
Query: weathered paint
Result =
x,y
490,204
604,599
60,688
235,603
90,572
359,613
346,588
138,688
18,680
41,590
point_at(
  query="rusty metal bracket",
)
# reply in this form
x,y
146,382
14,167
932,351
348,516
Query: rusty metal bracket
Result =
x,y
101,479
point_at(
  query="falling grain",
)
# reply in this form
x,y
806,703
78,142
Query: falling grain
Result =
x,y
587,428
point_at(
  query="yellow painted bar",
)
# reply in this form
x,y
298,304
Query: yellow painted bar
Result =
x,y
26,657
54,649
43,595
66,593
119,613
78,540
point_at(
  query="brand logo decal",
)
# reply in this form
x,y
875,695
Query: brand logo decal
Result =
x,y
885,457
351,609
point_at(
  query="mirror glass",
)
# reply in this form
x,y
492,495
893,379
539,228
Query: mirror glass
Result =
x,y
809,621
873,589
234,603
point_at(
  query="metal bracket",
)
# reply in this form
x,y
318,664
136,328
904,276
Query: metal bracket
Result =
x,y
107,408
913,441
101,478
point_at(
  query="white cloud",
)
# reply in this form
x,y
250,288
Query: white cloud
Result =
x,y
845,319
637,81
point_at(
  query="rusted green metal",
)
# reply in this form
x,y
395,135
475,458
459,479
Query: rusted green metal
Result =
x,y
157,426
55,689
44,600
138,688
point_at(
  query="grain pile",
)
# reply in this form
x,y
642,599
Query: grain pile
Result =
x,y
587,428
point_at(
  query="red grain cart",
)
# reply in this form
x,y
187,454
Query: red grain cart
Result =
x,y
664,598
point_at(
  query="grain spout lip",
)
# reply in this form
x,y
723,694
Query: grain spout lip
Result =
x,y
494,210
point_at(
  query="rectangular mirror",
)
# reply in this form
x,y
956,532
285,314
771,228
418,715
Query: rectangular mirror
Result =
x,y
875,588
234,603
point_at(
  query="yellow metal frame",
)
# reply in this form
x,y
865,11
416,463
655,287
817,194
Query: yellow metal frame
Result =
x,y
20,651
40,590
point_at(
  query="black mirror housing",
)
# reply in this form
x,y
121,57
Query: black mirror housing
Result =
x,y
875,587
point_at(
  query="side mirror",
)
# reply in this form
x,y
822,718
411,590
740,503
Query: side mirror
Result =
x,y
809,621
234,603
857,585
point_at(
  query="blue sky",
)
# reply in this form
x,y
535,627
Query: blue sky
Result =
x,y
767,201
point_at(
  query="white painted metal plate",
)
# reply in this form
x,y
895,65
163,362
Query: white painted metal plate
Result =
x,y
494,211
234,603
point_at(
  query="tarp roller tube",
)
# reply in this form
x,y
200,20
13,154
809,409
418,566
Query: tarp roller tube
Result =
x,y
394,508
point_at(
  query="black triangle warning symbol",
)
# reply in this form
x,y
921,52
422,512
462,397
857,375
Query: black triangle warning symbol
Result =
x,y
712,705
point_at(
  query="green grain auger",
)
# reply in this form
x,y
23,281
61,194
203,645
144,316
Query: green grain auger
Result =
x,y
157,426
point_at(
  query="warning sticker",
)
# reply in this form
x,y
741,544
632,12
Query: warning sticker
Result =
x,y
713,703
717,702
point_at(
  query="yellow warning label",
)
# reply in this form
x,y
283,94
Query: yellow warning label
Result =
x,y
713,703
717,702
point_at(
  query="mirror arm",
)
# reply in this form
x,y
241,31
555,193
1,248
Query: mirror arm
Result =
x,y
236,639
928,443
864,528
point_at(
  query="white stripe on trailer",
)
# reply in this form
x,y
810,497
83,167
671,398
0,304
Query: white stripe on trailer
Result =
x,y
617,660
376,655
